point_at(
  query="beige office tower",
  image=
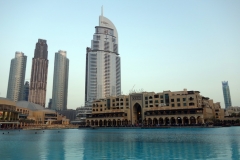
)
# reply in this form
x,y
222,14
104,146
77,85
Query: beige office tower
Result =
x,y
38,83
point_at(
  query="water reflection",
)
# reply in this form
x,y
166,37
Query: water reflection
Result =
x,y
199,143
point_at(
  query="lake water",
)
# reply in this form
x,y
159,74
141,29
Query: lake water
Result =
x,y
175,143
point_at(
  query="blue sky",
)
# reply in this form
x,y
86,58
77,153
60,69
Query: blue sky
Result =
x,y
164,45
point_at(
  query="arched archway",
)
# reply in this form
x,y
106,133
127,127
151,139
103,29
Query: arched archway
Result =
x,y
118,122
137,113
192,120
109,123
114,122
167,121
100,123
149,121
105,122
92,123
161,121
185,121
173,121
96,122
155,121
179,120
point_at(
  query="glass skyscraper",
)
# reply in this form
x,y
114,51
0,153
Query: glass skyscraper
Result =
x,y
226,94
103,68
17,77
60,81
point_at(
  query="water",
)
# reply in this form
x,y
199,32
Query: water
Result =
x,y
175,143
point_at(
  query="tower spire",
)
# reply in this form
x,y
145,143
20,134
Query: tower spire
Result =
x,y
102,11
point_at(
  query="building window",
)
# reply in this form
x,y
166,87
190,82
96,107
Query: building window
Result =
x,y
184,99
146,102
146,98
161,96
178,99
178,104
162,101
173,105
172,100
184,104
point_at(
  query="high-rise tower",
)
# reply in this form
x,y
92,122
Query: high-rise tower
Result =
x,y
17,77
226,94
103,70
38,83
60,81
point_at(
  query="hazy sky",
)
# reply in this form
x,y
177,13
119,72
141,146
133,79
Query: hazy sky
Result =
x,y
164,45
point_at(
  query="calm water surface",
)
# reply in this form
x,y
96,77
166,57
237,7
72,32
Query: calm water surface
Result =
x,y
176,143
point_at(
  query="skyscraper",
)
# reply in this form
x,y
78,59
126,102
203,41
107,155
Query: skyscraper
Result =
x,y
60,81
103,70
226,94
17,77
38,83
26,91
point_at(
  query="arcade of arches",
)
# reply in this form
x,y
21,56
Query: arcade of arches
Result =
x,y
177,120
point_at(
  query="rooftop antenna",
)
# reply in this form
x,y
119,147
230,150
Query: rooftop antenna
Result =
x,y
102,11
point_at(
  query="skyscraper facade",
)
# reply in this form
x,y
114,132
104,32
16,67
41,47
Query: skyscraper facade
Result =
x,y
60,81
103,69
38,82
17,77
226,94
25,91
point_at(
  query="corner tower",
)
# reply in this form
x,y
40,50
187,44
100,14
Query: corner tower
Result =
x,y
103,68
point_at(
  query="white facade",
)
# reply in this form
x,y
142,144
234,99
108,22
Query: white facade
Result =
x,y
60,81
103,69
17,77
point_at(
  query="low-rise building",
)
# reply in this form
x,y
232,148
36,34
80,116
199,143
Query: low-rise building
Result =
x,y
150,108
23,113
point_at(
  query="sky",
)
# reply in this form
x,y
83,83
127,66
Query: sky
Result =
x,y
163,45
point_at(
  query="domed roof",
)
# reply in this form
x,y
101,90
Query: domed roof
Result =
x,y
32,106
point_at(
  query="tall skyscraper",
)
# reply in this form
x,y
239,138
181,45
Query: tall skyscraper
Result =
x,y
17,77
60,81
226,94
103,70
26,91
38,83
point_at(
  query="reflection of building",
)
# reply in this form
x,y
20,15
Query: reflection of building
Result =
x,y
26,91
103,70
38,83
226,94
149,108
60,81
17,77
